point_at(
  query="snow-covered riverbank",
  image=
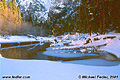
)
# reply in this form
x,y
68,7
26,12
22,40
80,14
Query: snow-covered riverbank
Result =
x,y
66,70
89,44
51,70
10,39
77,42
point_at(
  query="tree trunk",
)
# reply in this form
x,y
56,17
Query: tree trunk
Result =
x,y
101,28
87,19
103,17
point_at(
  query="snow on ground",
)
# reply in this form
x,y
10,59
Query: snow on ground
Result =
x,y
76,40
113,47
1,56
53,70
63,54
112,44
46,39
16,39
108,42
68,70
23,39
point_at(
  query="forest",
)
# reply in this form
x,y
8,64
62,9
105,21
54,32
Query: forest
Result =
x,y
11,21
91,16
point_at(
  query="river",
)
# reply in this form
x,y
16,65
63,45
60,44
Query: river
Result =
x,y
22,53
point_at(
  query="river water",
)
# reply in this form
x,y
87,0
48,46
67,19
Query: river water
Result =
x,y
23,53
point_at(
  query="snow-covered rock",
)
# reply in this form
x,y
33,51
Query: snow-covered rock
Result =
x,y
34,9
41,10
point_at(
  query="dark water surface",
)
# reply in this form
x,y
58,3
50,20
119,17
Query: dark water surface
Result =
x,y
25,53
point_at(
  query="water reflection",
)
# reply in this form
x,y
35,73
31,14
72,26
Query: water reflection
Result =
x,y
25,53
17,53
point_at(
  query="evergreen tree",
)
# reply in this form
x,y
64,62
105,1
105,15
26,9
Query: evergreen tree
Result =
x,y
10,14
19,15
5,5
14,7
1,8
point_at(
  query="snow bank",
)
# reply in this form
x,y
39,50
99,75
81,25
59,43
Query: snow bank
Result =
x,y
64,54
50,70
1,56
16,39
23,39
113,47
64,70
108,42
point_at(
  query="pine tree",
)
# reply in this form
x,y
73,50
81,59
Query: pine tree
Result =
x,y
14,7
10,16
3,11
103,12
15,13
5,5
1,8
19,15
10,4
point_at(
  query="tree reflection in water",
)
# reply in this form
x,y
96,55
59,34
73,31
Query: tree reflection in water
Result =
x,y
35,54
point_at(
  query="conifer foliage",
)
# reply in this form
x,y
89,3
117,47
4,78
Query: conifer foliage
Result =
x,y
10,16
91,16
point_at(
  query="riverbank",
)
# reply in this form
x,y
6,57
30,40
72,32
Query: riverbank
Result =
x,y
88,44
78,42
54,70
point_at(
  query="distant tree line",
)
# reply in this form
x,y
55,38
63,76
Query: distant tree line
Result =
x,y
11,22
100,15
10,16
92,16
